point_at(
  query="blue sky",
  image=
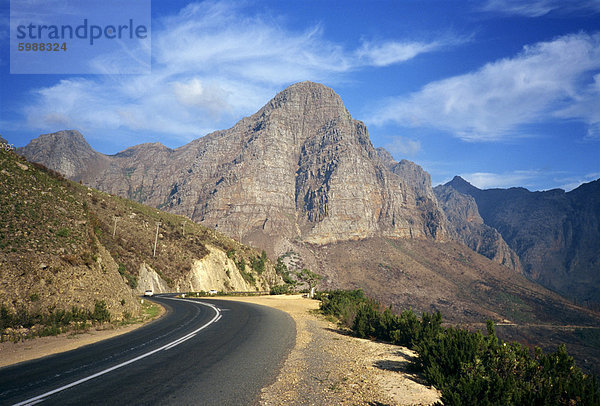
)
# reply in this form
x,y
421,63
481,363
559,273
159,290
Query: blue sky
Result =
x,y
502,92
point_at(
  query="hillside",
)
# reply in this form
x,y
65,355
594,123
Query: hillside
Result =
x,y
63,244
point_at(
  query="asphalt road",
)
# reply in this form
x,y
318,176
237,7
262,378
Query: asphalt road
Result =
x,y
209,353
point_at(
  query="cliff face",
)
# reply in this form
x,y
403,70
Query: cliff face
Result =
x,y
555,234
300,169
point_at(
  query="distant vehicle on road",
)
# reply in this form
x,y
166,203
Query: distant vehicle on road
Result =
x,y
149,292
212,292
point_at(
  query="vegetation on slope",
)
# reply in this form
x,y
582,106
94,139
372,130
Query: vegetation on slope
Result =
x,y
64,246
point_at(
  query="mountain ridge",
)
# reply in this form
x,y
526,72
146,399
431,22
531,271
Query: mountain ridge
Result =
x,y
302,171
553,232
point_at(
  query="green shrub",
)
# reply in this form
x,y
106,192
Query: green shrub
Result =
x,y
258,263
241,264
342,304
54,321
101,313
367,322
282,269
408,329
63,232
131,280
280,289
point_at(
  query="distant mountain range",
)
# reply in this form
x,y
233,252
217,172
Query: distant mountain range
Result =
x,y
555,234
301,174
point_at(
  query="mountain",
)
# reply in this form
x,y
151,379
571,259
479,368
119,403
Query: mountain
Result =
x,y
300,169
63,244
456,211
68,153
555,234
467,226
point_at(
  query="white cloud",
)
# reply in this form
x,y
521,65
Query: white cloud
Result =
x,y
546,80
573,182
539,8
488,180
211,65
530,179
585,106
392,52
404,146
204,96
593,132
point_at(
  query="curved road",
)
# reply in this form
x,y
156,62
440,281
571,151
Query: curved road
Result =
x,y
207,352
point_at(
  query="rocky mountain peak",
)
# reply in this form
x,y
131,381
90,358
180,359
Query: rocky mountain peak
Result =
x,y
386,158
71,139
461,185
305,94
65,151
304,110
411,174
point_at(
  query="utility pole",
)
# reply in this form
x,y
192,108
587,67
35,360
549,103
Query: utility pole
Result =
x,y
184,221
156,238
115,227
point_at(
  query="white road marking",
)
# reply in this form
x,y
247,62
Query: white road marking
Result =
x,y
42,397
176,343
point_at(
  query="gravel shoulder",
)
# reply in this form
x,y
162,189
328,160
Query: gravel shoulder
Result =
x,y
327,366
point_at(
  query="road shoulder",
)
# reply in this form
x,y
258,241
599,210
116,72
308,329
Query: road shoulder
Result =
x,y
327,366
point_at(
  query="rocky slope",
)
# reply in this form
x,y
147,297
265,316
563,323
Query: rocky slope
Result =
x,y
300,169
457,211
555,234
467,226
63,244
